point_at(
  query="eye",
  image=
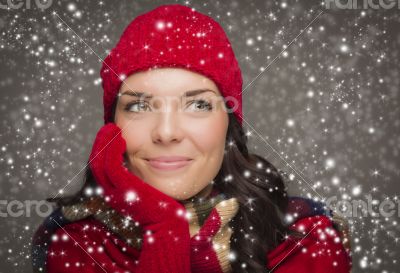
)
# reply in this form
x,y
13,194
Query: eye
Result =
x,y
136,106
201,105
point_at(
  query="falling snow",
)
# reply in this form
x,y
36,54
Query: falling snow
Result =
x,y
324,109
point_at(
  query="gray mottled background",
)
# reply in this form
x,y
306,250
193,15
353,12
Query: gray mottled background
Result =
x,y
325,110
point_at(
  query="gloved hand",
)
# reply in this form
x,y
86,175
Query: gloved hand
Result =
x,y
166,238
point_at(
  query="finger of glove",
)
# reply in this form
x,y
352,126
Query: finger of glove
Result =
x,y
98,155
115,170
96,162
208,230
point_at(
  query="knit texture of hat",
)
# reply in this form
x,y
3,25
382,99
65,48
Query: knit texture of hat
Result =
x,y
173,36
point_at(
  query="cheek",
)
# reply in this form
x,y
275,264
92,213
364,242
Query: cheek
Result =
x,y
132,140
210,136
132,132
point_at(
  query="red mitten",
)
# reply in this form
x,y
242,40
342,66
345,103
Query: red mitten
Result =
x,y
166,238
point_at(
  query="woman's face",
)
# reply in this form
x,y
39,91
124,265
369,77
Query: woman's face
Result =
x,y
171,124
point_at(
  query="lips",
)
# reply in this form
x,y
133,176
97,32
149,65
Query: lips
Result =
x,y
169,158
169,162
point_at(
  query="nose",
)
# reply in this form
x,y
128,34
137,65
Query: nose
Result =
x,y
167,127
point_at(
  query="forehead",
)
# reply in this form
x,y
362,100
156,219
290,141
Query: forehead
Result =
x,y
167,81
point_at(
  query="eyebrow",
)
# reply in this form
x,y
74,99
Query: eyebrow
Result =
x,y
189,93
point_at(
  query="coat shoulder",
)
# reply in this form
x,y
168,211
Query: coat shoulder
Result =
x,y
318,248
62,246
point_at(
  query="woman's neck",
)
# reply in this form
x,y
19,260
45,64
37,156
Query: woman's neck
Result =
x,y
203,194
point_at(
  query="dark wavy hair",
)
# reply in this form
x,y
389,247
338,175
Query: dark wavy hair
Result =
x,y
259,187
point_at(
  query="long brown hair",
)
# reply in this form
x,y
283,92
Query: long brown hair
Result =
x,y
258,227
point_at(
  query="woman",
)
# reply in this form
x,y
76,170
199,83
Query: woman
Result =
x,y
170,185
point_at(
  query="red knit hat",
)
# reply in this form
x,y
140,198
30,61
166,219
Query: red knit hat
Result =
x,y
174,36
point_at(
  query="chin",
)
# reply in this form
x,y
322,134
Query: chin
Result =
x,y
179,197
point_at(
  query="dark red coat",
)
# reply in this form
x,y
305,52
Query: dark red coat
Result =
x,y
89,246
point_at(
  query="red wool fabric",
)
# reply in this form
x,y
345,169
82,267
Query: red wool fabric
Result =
x,y
317,252
173,36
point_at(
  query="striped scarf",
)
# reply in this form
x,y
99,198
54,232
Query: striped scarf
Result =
x,y
209,215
